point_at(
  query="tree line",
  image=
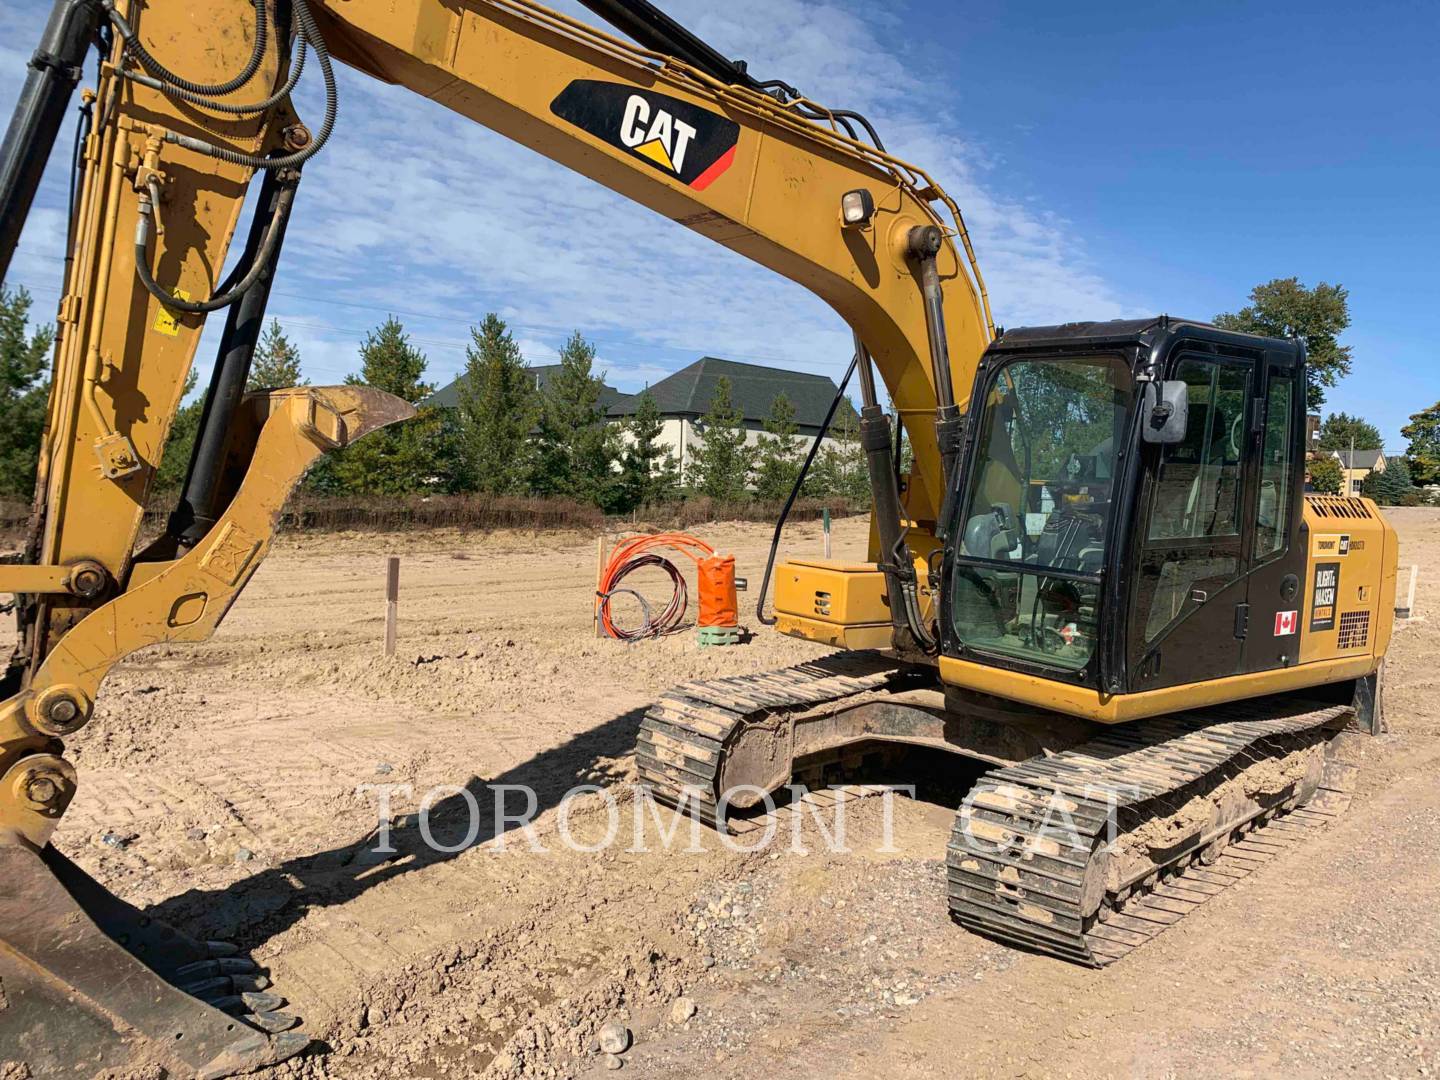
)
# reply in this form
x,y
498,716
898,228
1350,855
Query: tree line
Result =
x,y
509,437
1401,481
506,436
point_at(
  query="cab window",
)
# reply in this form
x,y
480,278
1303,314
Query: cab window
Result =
x,y
1193,538
1038,507
1277,468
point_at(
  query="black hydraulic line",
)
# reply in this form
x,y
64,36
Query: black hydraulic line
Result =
x,y
83,127
310,35
769,620
229,290
883,470
652,29
297,67
924,244
196,512
134,46
55,71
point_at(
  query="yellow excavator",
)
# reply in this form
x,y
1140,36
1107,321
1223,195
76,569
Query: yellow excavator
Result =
x,y
1101,581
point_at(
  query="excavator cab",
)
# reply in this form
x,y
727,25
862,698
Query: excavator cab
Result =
x,y
1129,516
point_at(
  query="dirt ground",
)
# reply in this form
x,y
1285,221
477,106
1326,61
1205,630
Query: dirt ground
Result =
x,y
223,784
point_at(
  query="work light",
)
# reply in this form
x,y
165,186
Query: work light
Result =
x,y
857,208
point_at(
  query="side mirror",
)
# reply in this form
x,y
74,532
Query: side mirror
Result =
x,y
1164,409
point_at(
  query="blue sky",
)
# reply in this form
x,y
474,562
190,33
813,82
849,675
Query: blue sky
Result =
x,y
1112,159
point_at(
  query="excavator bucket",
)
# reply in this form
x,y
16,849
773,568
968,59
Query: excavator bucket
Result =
x,y
88,983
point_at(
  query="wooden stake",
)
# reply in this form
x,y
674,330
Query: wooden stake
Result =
x,y
1408,611
825,519
392,602
599,573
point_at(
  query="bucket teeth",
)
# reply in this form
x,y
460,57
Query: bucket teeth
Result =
x,y
103,984
222,948
218,986
272,1021
221,965
254,1051
235,1004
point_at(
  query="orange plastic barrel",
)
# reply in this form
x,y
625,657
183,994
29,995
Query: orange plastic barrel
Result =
x,y
718,606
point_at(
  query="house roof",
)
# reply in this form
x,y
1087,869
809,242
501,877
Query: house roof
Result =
x,y
448,397
753,388
1360,459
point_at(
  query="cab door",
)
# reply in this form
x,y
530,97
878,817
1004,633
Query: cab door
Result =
x,y
1277,545
1188,613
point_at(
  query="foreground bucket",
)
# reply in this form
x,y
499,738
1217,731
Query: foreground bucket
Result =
x,y
89,983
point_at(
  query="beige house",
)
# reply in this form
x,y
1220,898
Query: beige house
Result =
x,y
1356,465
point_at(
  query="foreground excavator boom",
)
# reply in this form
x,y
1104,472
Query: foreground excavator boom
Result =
x,y
1099,523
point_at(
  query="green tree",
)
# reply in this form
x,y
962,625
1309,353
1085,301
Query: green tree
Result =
x,y
1393,487
575,449
175,462
403,458
778,455
1340,428
497,412
1423,454
24,393
1284,308
840,470
648,472
722,463
1326,476
277,361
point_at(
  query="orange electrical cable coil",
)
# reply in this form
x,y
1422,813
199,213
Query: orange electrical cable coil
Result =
x,y
640,551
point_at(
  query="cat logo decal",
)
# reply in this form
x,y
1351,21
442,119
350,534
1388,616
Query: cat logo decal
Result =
x,y
684,141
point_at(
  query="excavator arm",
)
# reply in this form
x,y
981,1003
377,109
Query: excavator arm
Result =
x,y
192,102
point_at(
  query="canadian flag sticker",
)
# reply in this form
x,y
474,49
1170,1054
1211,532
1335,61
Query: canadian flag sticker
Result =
x,y
1285,622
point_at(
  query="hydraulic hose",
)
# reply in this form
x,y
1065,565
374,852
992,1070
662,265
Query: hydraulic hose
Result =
x,y
227,293
769,620
297,65
311,33
132,44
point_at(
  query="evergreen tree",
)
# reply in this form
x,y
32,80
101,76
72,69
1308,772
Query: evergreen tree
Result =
x,y
277,362
575,449
24,393
778,453
722,463
402,458
497,411
1340,430
175,461
1326,476
648,472
1393,487
840,470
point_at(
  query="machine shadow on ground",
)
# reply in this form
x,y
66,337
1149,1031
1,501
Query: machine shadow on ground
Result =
x,y
268,903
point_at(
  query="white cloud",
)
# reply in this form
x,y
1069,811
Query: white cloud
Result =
x,y
414,210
